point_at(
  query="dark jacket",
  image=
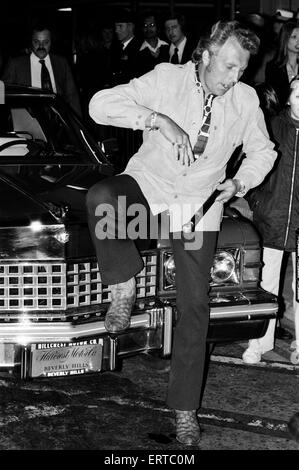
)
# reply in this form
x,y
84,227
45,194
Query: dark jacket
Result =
x,y
187,52
18,72
124,63
275,203
146,61
278,78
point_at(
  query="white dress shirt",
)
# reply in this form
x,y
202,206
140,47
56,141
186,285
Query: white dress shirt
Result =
x,y
125,44
36,68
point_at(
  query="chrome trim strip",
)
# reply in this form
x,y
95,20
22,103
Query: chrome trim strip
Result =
x,y
257,310
167,333
113,353
29,332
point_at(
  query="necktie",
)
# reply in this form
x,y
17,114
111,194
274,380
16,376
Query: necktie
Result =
x,y
45,76
175,57
204,132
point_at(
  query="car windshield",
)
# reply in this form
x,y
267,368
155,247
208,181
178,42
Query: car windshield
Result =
x,y
34,127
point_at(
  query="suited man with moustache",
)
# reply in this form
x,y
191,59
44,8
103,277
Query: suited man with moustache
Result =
x,y
43,69
124,61
181,47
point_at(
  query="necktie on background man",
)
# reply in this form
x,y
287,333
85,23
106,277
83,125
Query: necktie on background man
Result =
x,y
175,57
204,131
45,76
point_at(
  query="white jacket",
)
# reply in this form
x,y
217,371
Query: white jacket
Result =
x,y
172,90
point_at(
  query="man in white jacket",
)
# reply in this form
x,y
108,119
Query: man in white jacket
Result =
x,y
193,117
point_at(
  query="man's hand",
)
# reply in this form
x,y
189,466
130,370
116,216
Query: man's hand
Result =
x,y
179,139
228,189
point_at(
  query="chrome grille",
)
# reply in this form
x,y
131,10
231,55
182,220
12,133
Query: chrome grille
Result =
x,y
57,286
84,286
36,286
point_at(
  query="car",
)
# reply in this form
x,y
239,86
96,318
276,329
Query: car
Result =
x,y
52,300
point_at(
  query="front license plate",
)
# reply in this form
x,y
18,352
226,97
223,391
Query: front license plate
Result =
x,y
60,359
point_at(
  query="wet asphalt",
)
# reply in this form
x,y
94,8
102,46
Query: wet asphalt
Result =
x,y
244,407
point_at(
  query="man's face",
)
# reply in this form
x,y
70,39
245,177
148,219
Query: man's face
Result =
x,y
41,43
294,99
173,31
224,67
149,28
124,31
107,34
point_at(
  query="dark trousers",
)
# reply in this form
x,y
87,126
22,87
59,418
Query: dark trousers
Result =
x,y
119,260
192,301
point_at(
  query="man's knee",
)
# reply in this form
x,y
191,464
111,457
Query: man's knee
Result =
x,y
100,193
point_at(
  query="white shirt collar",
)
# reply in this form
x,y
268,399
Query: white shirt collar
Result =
x,y
36,59
35,67
160,43
124,44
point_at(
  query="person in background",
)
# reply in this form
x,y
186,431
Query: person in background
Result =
x,y
93,65
284,66
275,206
181,47
87,66
42,69
268,101
153,50
124,60
191,116
271,107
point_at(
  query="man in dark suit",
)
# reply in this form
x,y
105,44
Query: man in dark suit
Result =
x,y
42,69
181,47
124,55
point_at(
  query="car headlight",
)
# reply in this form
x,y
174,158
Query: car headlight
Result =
x,y
224,268
169,271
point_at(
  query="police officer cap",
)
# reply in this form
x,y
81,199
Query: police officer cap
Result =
x,y
124,16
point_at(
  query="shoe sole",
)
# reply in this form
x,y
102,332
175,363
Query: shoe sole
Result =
x,y
115,332
195,443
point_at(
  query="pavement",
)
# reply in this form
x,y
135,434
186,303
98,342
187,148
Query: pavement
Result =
x,y
245,407
119,413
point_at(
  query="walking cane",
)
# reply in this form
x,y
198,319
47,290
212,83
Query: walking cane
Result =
x,y
190,226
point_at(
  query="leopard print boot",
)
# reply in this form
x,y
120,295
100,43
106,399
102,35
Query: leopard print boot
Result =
x,y
187,427
123,296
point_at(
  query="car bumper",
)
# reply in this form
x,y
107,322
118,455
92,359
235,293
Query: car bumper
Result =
x,y
45,349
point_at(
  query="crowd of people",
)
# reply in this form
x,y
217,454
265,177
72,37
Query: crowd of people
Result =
x,y
181,86
121,54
